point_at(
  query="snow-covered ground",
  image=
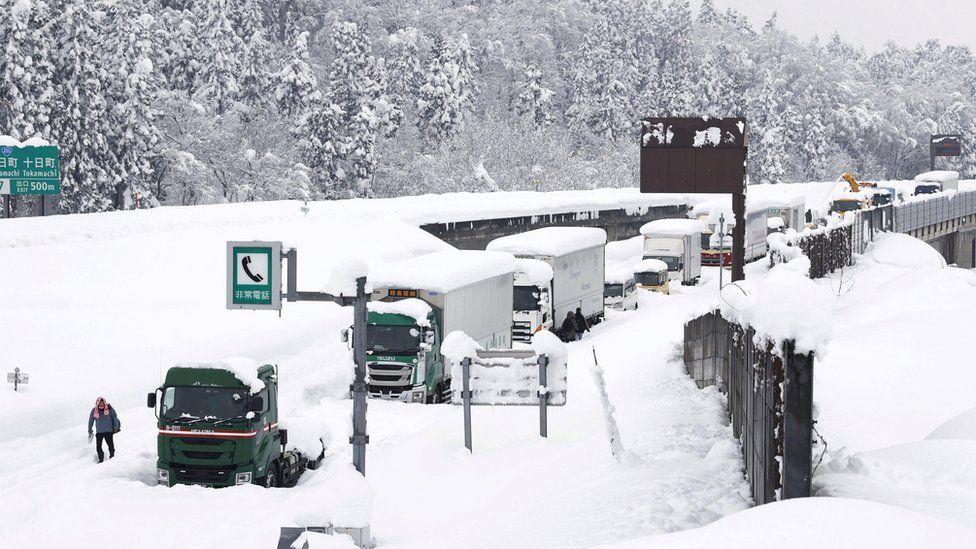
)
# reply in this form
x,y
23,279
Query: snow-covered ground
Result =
x,y
103,304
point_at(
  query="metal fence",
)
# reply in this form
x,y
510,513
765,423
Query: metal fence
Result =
x,y
911,216
770,398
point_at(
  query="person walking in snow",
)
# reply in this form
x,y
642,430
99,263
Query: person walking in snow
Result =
x,y
106,423
581,324
568,330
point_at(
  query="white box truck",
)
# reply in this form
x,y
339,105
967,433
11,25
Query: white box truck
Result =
x,y
676,242
576,257
416,302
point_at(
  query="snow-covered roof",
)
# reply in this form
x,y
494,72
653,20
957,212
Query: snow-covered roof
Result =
x,y
442,271
938,176
533,271
412,307
244,369
617,274
554,241
672,227
775,222
650,266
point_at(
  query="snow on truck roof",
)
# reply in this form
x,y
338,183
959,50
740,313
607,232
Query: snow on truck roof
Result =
x,y
650,266
672,227
938,176
554,241
442,271
412,307
617,274
533,271
244,369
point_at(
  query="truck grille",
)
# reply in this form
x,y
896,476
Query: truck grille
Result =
x,y
522,331
201,448
389,379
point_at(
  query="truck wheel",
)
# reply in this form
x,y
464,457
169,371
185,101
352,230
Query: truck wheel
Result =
x,y
271,479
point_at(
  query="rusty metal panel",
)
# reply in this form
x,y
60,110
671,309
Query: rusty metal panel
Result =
x,y
693,155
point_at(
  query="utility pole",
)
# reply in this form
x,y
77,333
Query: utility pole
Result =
x,y
721,249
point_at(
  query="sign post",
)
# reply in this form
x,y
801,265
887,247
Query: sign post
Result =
x,y
17,378
944,145
699,155
254,275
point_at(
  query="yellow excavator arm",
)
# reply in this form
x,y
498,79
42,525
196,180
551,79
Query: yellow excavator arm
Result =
x,y
855,188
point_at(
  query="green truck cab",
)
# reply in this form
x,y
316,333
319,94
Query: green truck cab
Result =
x,y
214,430
403,358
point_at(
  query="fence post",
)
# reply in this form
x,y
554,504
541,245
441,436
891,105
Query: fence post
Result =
x,y
798,422
543,397
466,399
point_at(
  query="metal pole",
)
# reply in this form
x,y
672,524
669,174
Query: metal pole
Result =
x,y
721,248
466,399
6,206
359,438
16,378
739,236
543,397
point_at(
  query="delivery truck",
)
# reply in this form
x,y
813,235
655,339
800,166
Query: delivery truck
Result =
x,y
218,426
576,258
416,302
676,242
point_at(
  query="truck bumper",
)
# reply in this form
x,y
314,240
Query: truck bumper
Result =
x,y
171,474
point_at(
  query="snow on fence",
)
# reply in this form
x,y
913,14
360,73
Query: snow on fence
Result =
x,y
770,399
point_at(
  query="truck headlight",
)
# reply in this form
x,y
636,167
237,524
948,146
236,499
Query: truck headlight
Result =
x,y
417,396
162,476
242,478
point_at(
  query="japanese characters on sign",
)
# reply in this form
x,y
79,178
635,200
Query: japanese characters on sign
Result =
x,y
29,170
254,275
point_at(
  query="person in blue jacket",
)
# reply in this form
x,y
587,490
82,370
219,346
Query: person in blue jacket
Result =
x,y
106,423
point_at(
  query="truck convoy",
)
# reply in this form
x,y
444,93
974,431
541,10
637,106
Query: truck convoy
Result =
x,y
576,257
416,302
676,242
218,426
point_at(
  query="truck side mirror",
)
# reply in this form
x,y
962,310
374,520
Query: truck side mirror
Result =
x,y
429,337
151,400
256,404
283,436
344,335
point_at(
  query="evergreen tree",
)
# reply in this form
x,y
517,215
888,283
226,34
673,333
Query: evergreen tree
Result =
x,y
460,53
218,52
535,100
406,68
707,14
254,82
181,60
321,144
440,107
767,154
296,86
88,165
26,73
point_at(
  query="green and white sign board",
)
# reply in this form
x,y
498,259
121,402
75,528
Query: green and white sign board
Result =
x,y
254,275
29,170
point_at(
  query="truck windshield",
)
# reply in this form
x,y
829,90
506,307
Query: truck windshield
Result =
x,y
650,279
845,206
525,298
204,402
387,339
613,290
673,263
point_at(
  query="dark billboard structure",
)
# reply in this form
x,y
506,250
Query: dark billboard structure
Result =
x,y
944,145
698,155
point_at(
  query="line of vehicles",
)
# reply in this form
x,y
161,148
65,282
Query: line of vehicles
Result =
x,y
859,195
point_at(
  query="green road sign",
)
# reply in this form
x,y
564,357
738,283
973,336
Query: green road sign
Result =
x,y
254,275
29,170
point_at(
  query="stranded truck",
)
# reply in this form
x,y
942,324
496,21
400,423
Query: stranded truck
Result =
x,y
416,302
575,256
676,242
218,426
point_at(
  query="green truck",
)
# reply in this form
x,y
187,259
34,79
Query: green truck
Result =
x,y
218,426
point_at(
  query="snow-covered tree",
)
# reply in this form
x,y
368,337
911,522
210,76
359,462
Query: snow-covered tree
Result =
x,y
535,99
321,145
441,105
26,72
219,54
296,86
406,68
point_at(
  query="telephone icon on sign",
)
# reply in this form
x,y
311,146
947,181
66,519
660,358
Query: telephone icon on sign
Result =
x,y
245,262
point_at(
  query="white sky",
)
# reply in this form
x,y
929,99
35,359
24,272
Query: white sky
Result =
x,y
868,23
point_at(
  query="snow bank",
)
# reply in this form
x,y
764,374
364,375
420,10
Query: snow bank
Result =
x,y
244,369
533,271
318,540
938,176
546,343
442,271
815,523
650,266
554,241
786,304
342,280
962,426
672,227
414,308
902,250
775,222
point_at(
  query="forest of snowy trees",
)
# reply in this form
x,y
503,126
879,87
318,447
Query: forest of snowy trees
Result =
x,y
203,101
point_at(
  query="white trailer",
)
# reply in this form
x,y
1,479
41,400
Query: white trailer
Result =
x,y
676,242
576,256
